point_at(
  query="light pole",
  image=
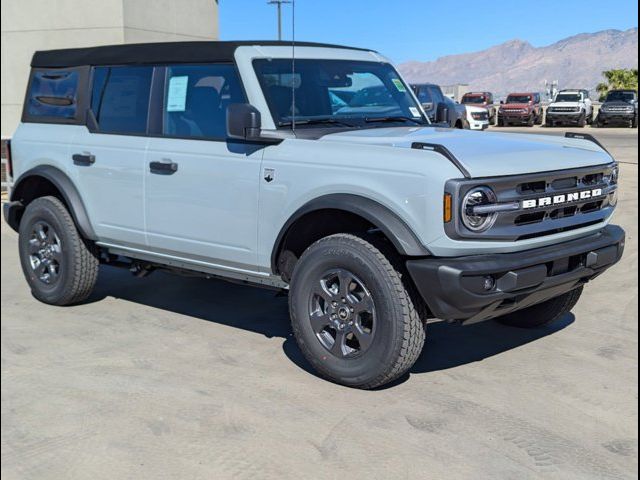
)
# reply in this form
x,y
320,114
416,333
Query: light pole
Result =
x,y
279,3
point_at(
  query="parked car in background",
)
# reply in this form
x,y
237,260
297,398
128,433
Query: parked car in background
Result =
x,y
570,107
438,107
477,117
481,99
619,108
521,109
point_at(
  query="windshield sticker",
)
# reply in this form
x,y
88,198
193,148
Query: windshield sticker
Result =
x,y
399,85
177,94
414,111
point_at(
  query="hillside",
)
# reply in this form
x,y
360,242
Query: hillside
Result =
x,y
576,62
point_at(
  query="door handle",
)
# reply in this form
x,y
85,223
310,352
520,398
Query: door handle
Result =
x,y
83,159
166,167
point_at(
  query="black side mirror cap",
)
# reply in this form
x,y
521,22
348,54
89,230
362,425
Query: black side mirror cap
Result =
x,y
243,121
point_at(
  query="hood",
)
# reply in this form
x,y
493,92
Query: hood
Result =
x,y
487,154
474,108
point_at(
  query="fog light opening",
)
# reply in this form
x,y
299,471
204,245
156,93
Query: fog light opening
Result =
x,y
488,283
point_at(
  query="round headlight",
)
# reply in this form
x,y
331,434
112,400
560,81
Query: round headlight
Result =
x,y
478,222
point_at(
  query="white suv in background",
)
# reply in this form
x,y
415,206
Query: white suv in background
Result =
x,y
478,117
570,107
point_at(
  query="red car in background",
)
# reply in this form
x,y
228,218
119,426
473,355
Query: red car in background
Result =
x,y
521,109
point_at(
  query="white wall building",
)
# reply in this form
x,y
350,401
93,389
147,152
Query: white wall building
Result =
x,y
30,25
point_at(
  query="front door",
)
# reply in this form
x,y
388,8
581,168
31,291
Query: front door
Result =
x,y
201,191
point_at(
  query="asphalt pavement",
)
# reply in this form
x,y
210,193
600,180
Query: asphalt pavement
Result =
x,y
173,378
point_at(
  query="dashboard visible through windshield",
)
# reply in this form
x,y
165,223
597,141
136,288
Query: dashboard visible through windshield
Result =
x,y
336,92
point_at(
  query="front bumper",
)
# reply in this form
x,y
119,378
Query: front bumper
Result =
x,y
522,118
454,288
479,124
616,117
573,117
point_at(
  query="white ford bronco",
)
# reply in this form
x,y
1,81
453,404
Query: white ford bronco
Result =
x,y
310,169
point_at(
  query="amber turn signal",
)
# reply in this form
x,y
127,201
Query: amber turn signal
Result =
x,y
448,212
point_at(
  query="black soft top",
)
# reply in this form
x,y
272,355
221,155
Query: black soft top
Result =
x,y
155,53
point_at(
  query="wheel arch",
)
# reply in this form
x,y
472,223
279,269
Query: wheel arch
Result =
x,y
358,209
48,180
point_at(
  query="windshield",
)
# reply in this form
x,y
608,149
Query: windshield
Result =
x,y
474,99
338,92
518,98
568,97
621,97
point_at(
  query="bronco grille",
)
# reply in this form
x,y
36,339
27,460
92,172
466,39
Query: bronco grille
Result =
x,y
541,204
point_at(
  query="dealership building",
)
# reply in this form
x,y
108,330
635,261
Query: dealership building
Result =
x,y
30,25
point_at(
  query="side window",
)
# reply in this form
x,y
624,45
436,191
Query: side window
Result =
x,y
120,99
424,95
53,93
196,98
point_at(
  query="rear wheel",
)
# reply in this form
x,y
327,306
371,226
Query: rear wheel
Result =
x,y
543,313
351,313
60,266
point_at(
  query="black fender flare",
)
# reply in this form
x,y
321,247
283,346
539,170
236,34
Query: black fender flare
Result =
x,y
394,228
66,188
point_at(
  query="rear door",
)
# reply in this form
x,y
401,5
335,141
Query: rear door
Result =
x,y
201,191
109,162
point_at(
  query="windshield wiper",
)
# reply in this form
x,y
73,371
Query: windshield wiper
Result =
x,y
395,118
317,121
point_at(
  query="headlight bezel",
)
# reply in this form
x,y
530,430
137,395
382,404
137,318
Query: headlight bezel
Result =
x,y
484,195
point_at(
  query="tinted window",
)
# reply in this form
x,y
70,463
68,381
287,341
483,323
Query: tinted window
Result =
x,y
334,92
120,98
53,94
424,95
196,100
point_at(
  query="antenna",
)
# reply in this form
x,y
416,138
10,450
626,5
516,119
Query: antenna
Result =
x,y
293,66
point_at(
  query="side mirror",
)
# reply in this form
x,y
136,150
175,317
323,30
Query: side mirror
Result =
x,y
501,102
442,113
243,121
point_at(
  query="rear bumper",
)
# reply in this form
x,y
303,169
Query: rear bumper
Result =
x,y
454,288
12,211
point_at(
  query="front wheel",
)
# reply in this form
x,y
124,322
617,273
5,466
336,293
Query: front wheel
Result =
x,y
59,265
543,313
582,121
352,316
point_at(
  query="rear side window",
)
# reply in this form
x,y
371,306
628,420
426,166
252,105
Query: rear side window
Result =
x,y
53,94
196,98
120,99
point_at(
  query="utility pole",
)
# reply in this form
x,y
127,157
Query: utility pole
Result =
x,y
279,3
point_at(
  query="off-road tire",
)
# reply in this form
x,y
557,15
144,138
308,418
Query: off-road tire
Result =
x,y
531,120
399,336
543,313
540,117
79,263
549,123
582,121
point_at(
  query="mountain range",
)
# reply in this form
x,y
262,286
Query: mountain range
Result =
x,y
516,65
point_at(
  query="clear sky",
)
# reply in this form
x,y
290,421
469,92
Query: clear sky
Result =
x,y
426,29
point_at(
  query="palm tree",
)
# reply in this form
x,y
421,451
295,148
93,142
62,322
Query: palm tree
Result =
x,y
624,78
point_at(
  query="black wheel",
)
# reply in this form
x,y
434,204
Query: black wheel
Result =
x,y
582,121
543,313
634,123
531,120
549,123
539,117
60,267
500,122
352,316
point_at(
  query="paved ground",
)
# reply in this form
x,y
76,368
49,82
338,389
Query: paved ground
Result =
x,y
172,378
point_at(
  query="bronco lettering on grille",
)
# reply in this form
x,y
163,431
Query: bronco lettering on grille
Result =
x,y
561,199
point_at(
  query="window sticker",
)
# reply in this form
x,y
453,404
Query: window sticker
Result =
x,y
414,111
177,94
399,85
